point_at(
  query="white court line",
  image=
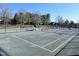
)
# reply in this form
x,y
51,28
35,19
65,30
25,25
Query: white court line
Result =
x,y
39,46
64,43
31,43
54,41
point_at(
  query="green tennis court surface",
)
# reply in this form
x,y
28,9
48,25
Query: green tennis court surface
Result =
x,y
72,49
35,43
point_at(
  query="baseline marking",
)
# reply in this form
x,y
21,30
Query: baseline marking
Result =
x,y
55,41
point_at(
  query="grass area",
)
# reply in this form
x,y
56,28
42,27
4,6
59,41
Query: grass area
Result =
x,y
15,26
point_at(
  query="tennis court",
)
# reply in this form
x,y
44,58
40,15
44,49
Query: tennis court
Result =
x,y
35,43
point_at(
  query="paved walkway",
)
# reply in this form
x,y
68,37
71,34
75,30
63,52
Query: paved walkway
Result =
x,y
72,49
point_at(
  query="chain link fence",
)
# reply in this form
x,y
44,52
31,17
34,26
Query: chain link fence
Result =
x,y
8,28
15,28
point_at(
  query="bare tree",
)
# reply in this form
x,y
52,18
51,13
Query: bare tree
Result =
x,y
60,21
5,14
66,23
77,25
28,17
36,19
72,23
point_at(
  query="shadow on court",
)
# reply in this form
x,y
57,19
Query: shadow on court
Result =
x,y
3,53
